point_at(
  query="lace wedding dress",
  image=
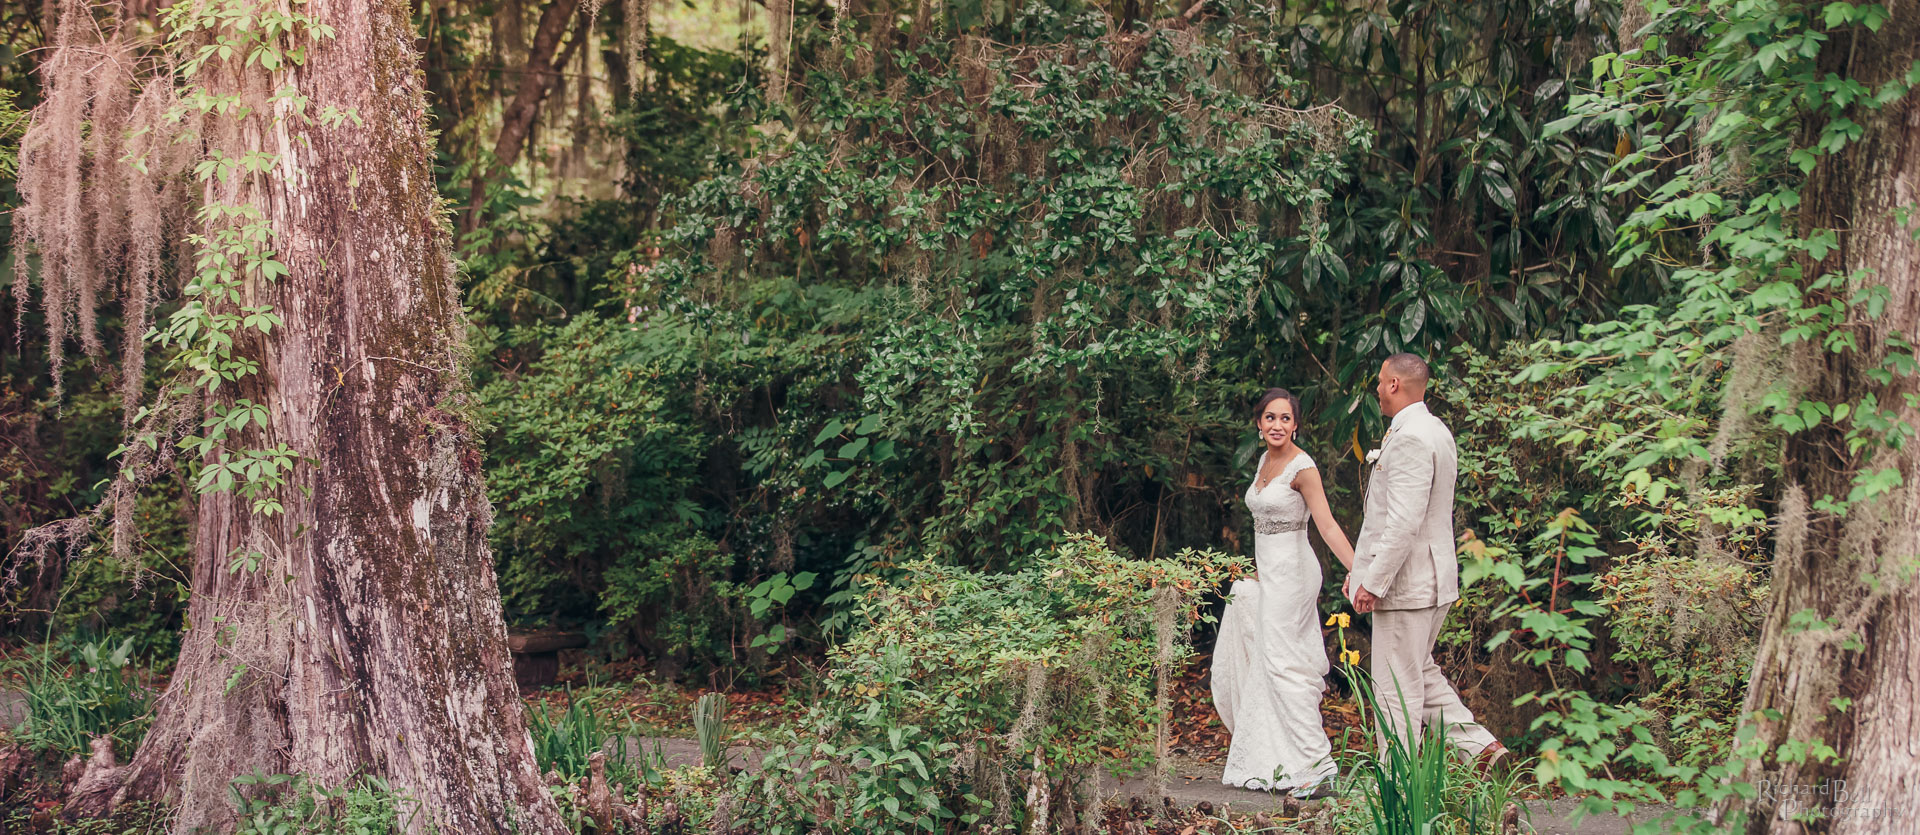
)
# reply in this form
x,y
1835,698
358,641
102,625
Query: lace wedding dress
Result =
x,y
1270,663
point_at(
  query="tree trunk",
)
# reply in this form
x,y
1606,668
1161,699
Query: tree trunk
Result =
x,y
369,640
1848,679
541,75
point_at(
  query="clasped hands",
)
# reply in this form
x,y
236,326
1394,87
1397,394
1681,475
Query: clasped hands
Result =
x,y
1363,600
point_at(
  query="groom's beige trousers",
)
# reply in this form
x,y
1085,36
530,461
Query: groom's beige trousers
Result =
x,y
1403,668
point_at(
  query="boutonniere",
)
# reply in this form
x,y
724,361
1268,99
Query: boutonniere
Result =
x,y
1374,454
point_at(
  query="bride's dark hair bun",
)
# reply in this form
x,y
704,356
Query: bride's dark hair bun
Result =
x,y
1299,417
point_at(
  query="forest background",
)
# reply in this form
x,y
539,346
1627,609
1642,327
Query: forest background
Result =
x,y
769,301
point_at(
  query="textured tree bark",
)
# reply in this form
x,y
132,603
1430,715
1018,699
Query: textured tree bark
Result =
x,y
370,638
1852,686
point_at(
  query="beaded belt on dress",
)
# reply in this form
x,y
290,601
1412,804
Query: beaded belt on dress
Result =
x,y
1278,525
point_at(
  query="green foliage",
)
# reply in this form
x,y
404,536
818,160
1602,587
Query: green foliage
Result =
x,y
1405,792
13,123
1415,786
959,683
287,804
1562,558
588,470
49,467
957,287
1512,485
1693,623
1614,579
143,601
1018,273
1762,284
232,246
1604,571
671,588
1074,222
777,590
68,704
564,741
682,127
135,817
710,728
535,259
1723,108
1468,222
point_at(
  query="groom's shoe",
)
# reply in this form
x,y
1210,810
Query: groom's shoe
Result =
x,y
1492,760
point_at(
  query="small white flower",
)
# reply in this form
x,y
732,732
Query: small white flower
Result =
x,y
1373,455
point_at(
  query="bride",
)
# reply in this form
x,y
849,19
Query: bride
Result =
x,y
1270,661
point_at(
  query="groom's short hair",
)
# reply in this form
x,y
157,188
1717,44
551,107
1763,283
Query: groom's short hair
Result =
x,y
1410,368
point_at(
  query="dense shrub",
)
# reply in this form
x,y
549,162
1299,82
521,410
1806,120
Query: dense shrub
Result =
x,y
68,703
290,804
1692,621
1510,488
966,698
586,463
1604,559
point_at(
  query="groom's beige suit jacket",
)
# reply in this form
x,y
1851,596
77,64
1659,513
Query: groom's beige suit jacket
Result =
x,y
1405,553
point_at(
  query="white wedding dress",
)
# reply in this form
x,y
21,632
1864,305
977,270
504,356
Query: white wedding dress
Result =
x,y
1270,662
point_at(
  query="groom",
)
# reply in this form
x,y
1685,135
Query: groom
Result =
x,y
1404,570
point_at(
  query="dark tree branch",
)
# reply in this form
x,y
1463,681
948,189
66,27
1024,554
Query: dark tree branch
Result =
x,y
542,73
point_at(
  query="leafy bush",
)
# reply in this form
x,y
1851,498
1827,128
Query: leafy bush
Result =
x,y
1620,554
1598,560
986,278
670,591
97,694
962,685
142,596
579,488
1693,623
287,804
1016,275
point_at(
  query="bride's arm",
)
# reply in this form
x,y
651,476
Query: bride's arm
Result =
x,y
1308,483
